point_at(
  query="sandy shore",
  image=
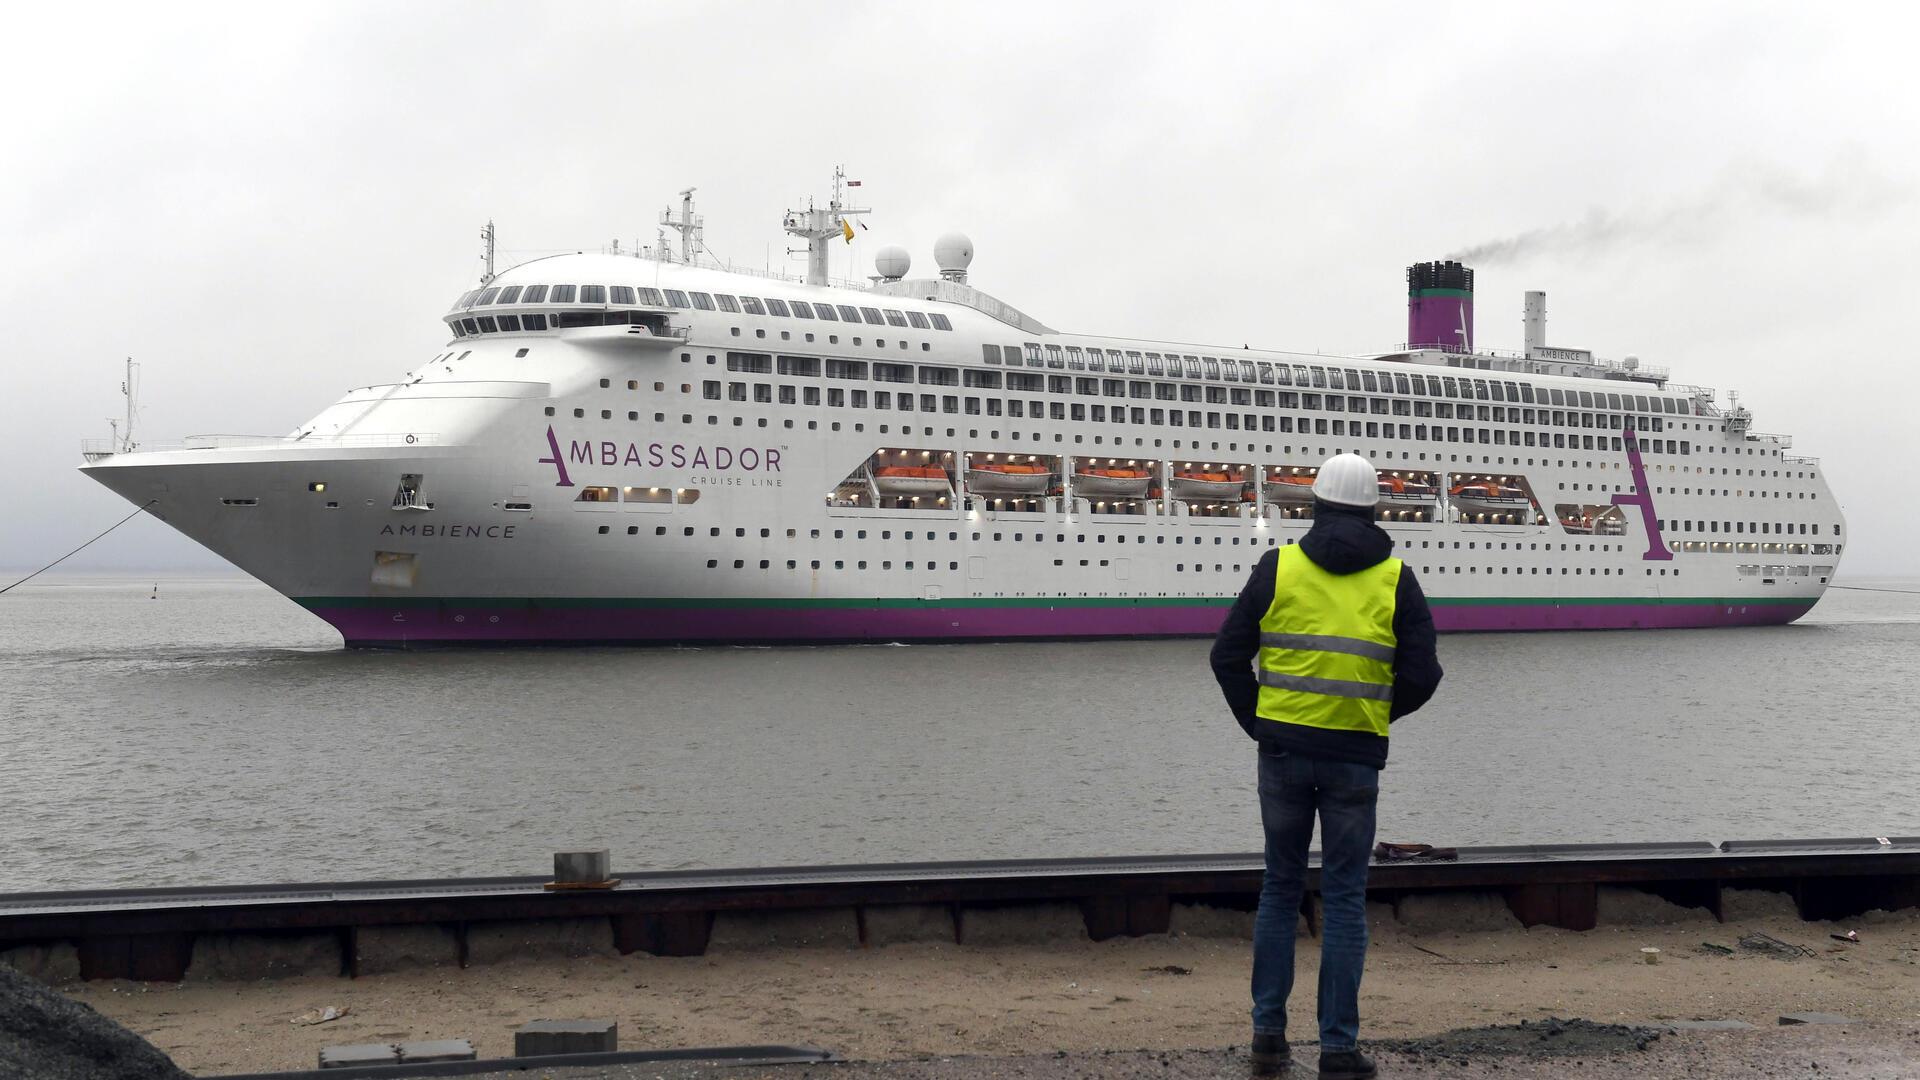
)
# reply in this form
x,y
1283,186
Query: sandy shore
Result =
x,y
1182,991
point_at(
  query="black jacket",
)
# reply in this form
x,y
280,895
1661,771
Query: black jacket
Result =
x,y
1342,541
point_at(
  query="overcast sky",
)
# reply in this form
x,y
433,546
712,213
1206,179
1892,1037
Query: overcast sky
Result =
x,y
268,204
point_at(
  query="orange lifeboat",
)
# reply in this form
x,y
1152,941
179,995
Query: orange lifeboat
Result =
x,y
1111,482
912,480
1206,486
1290,490
1008,478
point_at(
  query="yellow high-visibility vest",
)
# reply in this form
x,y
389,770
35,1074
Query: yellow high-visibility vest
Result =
x,y
1327,644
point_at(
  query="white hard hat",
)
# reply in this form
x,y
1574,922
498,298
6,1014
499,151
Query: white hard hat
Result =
x,y
1348,479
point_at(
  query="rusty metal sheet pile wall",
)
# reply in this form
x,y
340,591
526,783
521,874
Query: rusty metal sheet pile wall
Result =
x,y
149,933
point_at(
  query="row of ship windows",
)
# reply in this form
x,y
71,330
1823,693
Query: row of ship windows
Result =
x,y
1074,358
1119,538
1142,390
699,301
740,533
1664,446
1237,568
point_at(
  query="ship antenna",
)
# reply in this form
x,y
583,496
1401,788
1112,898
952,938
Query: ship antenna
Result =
x,y
129,389
486,236
690,226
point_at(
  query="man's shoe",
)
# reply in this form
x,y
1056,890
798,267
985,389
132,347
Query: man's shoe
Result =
x,y
1271,1054
1347,1065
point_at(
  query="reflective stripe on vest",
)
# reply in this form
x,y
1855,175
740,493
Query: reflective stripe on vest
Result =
x,y
1327,645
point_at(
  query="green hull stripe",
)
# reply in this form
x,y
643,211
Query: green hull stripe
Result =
x,y
823,603
1464,294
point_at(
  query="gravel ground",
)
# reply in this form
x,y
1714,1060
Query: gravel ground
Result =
x,y
1582,1051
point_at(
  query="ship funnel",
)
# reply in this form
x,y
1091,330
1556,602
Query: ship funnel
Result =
x,y
1440,306
1533,322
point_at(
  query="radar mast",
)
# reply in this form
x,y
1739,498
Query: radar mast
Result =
x,y
690,226
818,224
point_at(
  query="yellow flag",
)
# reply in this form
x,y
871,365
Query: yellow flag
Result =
x,y
846,229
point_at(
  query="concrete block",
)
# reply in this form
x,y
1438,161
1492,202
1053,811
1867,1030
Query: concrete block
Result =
x,y
896,924
1621,906
498,942
425,1050
1444,912
247,957
581,866
1206,921
350,1057
1757,905
1022,924
384,949
566,1037
802,928
1711,1025
1790,1019
1202,920
51,964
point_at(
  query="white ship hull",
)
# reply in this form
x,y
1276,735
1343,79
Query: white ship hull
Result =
x,y
712,518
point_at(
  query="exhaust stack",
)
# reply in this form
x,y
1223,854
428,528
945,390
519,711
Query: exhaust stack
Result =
x,y
1440,306
1534,323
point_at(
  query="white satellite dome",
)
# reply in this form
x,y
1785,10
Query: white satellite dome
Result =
x,y
1631,363
953,253
892,262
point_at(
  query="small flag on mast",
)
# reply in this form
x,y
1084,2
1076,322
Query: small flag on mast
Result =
x,y
853,183
846,229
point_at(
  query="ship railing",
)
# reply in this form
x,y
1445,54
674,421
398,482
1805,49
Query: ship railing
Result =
x,y
1781,441
1800,459
96,449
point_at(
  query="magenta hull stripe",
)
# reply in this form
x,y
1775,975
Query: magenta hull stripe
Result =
x,y
477,622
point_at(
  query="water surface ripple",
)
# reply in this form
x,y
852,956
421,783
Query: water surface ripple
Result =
x,y
220,735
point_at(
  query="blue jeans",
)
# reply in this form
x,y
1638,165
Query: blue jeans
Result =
x,y
1292,789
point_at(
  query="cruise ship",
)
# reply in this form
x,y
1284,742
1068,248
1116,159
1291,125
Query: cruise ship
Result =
x,y
656,448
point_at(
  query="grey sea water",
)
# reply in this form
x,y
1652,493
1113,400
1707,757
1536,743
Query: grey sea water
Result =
x,y
218,734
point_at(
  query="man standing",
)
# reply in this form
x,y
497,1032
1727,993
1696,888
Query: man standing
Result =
x,y
1329,642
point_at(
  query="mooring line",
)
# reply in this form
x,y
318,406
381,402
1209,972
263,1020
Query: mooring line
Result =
x,y
137,511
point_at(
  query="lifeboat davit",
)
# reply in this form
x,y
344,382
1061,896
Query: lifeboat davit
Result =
x,y
993,478
1488,497
1112,483
1206,486
912,480
1290,490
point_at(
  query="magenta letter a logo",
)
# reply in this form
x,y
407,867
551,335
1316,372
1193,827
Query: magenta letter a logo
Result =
x,y
557,461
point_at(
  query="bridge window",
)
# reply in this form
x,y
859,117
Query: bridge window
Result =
x,y
621,294
873,316
727,303
752,306
801,309
593,294
825,311
562,294
509,295
940,322
896,318
678,299
777,307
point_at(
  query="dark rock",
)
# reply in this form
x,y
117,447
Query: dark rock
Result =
x,y
1815,1018
45,1035
1552,1037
